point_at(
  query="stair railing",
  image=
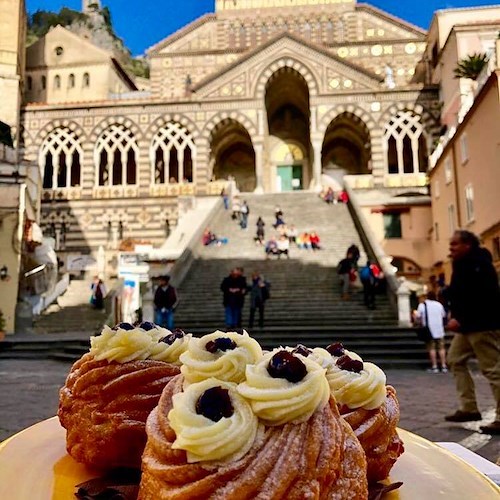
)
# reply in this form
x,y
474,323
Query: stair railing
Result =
x,y
182,265
397,290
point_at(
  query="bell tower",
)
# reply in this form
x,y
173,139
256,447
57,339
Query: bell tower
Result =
x,y
89,5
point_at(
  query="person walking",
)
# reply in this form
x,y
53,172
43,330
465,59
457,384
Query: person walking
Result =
x,y
259,293
234,288
259,237
355,254
98,292
474,297
431,313
344,271
165,302
245,212
369,281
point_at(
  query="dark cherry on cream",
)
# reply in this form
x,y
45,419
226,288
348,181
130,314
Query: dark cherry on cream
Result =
x,y
215,404
147,325
285,365
336,349
124,326
302,349
348,364
220,344
176,334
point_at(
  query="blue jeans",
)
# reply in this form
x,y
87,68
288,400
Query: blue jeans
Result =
x,y
233,316
165,319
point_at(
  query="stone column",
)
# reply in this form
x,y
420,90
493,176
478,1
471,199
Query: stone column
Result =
x,y
259,167
317,166
404,310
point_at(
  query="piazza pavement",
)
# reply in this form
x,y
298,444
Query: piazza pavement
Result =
x,y
30,394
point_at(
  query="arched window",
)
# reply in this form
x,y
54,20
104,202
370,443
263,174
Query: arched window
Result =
x,y
329,32
86,80
264,33
44,82
172,152
57,82
242,36
340,30
307,31
30,83
115,157
405,144
60,159
71,81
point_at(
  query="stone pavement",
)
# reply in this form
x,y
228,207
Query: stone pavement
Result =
x,y
30,393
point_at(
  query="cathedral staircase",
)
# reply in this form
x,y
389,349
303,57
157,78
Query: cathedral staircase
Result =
x,y
305,305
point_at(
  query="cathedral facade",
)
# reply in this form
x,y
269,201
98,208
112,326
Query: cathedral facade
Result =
x,y
277,94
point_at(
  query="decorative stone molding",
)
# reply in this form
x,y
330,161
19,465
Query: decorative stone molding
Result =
x,y
224,116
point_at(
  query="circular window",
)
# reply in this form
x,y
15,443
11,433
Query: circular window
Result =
x,y
59,51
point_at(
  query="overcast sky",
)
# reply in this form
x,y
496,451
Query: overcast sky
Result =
x,y
152,20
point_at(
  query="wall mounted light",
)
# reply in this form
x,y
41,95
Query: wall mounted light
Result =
x,y
4,273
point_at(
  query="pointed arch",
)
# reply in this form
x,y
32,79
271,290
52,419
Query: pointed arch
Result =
x,y
115,156
286,62
60,159
172,154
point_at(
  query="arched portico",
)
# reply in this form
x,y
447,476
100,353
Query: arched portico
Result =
x,y
289,143
346,147
232,154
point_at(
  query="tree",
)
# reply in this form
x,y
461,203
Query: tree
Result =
x,y
471,66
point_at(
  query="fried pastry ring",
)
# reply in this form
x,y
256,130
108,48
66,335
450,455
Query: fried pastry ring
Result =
x,y
376,431
319,458
104,406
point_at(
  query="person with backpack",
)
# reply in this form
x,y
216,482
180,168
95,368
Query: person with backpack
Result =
x,y
165,302
259,293
98,291
431,313
369,281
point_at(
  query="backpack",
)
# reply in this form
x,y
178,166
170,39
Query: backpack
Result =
x,y
365,274
266,294
98,291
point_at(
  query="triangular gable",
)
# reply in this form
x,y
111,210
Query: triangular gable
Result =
x,y
177,40
77,50
331,73
406,29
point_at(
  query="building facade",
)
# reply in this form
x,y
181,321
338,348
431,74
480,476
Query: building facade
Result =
x,y
276,95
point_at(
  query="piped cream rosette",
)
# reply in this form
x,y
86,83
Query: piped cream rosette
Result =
x,y
277,401
122,346
227,440
366,389
199,364
326,360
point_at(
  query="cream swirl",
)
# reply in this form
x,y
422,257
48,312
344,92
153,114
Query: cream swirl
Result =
x,y
277,401
226,440
200,364
358,390
171,353
326,360
122,346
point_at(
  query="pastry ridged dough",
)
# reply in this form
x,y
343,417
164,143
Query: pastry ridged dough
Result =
x,y
104,406
319,458
376,431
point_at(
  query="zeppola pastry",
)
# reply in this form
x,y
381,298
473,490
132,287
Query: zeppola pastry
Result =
x,y
111,390
369,406
277,434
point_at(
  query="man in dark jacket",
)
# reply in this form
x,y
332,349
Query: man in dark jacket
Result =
x,y
165,303
234,288
474,296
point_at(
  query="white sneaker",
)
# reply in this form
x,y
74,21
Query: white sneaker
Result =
x,y
434,369
444,369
